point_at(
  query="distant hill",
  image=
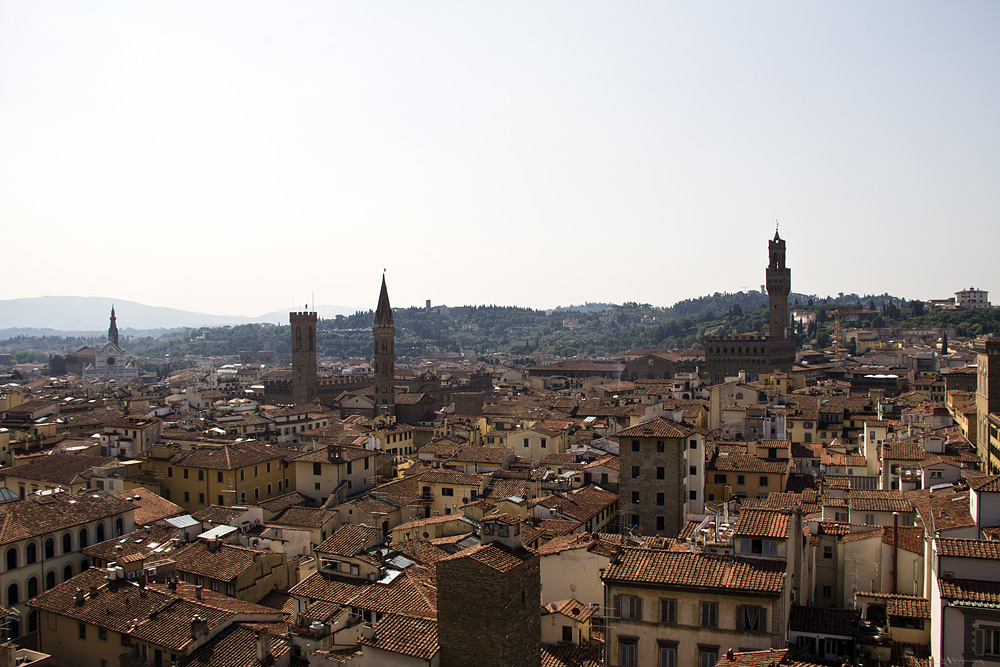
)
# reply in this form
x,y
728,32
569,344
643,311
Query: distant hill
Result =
x,y
90,314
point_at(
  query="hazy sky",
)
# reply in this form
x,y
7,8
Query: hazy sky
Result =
x,y
234,157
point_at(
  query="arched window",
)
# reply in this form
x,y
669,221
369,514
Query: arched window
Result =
x,y
33,621
84,564
50,579
67,573
32,587
50,548
100,532
119,527
67,543
30,553
83,537
13,595
12,558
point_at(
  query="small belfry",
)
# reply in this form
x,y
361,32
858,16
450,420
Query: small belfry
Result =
x,y
384,361
110,362
113,329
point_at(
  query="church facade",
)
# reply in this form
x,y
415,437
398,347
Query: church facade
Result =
x,y
726,356
110,362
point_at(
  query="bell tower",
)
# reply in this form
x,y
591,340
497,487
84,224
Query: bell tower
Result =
x,y
779,284
384,332
113,329
304,385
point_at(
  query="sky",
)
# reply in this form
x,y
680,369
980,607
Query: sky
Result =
x,y
243,157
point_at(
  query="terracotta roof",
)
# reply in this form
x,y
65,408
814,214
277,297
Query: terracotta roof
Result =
x,y
877,500
40,515
637,566
964,548
306,517
236,646
454,477
57,468
224,564
942,508
654,428
762,523
412,593
566,655
229,456
911,606
150,507
421,551
164,619
140,541
350,539
416,637
970,592
986,484
582,504
773,657
219,514
571,608
494,556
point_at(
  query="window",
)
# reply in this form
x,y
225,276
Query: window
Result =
x,y
763,480
527,442
220,501
81,630
708,656
627,651
668,611
256,493
693,444
693,470
741,480
170,472
635,445
12,558
67,543
720,479
218,478
243,475
661,472
828,551
988,640
635,472
268,467
317,468
660,447
102,634
543,443
758,547
628,607
660,523
84,540
567,633
100,532
667,654
367,461
635,497
201,498
906,521
67,573
255,471
348,467
187,496
30,553
693,495
660,499
201,475
447,491
50,579
185,473
869,519
710,615
828,591
50,548
750,618
13,595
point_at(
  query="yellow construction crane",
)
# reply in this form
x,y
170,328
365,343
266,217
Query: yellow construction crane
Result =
x,y
838,332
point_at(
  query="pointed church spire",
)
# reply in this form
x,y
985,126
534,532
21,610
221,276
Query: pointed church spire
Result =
x,y
776,237
383,314
113,329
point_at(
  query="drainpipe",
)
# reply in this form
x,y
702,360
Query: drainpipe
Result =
x,y
895,551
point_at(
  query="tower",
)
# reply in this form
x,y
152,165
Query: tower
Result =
x,y
113,329
304,385
779,284
384,333
987,401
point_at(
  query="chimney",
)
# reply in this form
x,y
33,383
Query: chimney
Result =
x,y
264,647
172,584
78,597
199,627
197,592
